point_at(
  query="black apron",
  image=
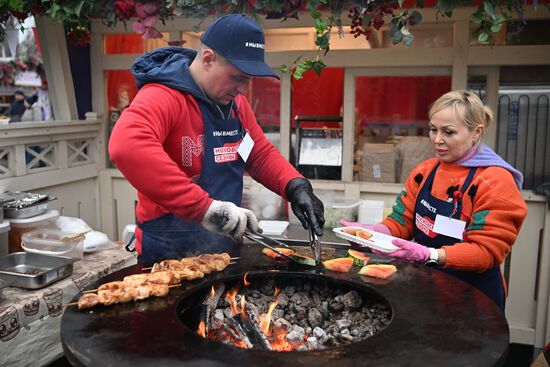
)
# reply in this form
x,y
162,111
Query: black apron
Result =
x,y
427,206
171,237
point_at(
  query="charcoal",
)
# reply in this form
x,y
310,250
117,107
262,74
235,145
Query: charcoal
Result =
x,y
282,323
323,309
283,300
290,290
319,333
312,314
297,298
312,343
335,304
316,299
352,300
314,317
342,324
295,338
216,321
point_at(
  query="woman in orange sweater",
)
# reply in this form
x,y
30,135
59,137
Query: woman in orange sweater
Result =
x,y
462,209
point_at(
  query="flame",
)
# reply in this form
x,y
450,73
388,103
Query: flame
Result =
x,y
264,323
212,292
278,340
246,282
202,329
230,295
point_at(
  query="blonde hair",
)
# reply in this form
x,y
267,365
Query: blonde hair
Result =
x,y
466,106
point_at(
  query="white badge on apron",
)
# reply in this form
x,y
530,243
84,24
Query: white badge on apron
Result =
x,y
449,226
245,147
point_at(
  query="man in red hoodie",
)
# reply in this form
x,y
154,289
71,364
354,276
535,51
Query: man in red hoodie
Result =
x,y
187,138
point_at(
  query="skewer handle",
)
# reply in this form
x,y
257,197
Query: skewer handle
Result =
x,y
70,304
89,291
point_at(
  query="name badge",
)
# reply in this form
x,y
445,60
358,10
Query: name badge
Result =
x,y
245,147
449,226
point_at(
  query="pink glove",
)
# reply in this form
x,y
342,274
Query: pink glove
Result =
x,y
408,250
378,227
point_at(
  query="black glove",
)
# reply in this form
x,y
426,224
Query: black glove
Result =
x,y
306,206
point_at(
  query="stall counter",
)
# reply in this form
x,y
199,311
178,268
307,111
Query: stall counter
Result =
x,y
30,319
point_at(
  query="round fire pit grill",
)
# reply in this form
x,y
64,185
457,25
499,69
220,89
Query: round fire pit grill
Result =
x,y
436,320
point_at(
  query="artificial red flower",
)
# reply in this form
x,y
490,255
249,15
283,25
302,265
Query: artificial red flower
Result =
x,y
143,10
79,36
37,10
20,15
124,9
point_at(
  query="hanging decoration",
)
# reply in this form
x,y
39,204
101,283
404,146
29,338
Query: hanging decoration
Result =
x,y
366,16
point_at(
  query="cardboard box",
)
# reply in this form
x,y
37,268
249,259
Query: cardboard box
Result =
x,y
377,163
411,151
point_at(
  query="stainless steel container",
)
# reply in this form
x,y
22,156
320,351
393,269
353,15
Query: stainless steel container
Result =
x,y
17,205
34,271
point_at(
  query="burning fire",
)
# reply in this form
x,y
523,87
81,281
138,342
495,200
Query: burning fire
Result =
x,y
266,320
231,295
275,335
202,329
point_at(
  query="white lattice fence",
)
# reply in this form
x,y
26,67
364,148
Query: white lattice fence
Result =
x,y
40,157
81,151
6,162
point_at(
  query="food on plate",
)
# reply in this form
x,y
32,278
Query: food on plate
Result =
x,y
342,264
274,255
351,231
358,257
382,271
363,234
304,260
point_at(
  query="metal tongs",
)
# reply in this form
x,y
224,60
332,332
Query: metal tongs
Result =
x,y
315,244
263,239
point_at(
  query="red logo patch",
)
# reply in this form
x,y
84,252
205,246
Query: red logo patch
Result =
x,y
227,153
426,225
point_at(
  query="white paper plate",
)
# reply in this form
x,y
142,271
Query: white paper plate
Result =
x,y
378,241
273,227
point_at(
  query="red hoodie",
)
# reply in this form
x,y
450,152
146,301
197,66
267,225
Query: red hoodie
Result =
x,y
157,144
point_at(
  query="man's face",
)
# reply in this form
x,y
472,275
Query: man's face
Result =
x,y
223,82
19,97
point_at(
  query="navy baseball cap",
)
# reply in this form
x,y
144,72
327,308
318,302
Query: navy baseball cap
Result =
x,y
241,41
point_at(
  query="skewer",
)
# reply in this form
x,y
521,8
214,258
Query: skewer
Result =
x,y
93,290
231,263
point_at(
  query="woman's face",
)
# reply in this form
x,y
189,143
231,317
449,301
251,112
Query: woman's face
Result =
x,y
450,136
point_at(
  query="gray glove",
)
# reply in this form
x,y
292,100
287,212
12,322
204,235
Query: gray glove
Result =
x,y
226,218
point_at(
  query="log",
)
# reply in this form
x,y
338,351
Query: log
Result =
x,y
252,328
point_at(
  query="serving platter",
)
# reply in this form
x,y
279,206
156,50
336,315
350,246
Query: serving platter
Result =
x,y
366,238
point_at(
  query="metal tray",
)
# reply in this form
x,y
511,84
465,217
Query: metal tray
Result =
x,y
33,271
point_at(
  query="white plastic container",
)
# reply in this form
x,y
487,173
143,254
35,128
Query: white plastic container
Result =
x,y
273,227
370,212
46,241
337,208
20,226
4,237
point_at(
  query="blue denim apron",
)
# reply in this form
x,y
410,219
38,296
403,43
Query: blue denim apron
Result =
x,y
171,237
489,282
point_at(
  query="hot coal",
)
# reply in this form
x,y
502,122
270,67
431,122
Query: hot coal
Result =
x,y
309,315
